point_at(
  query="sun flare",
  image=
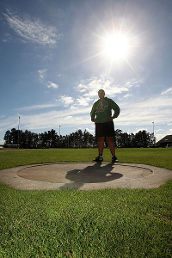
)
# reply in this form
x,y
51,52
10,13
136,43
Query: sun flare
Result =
x,y
116,46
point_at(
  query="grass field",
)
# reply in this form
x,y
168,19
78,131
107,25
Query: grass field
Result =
x,y
159,157
89,224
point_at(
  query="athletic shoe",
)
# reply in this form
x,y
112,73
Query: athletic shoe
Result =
x,y
114,159
98,159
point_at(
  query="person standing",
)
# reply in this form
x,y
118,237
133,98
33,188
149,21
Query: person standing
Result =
x,y
102,114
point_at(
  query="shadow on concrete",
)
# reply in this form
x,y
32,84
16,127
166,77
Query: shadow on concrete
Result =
x,y
97,173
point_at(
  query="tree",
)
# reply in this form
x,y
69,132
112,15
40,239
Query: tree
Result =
x,y
142,139
7,137
51,139
88,139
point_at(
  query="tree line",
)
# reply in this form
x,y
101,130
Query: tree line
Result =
x,y
78,139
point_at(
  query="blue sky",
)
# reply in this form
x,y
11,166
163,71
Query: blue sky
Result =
x,y
51,65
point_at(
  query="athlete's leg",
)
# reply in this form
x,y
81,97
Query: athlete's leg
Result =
x,y
111,145
100,141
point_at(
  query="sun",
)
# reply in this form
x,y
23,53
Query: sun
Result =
x,y
115,46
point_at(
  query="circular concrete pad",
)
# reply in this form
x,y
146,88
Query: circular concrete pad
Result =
x,y
85,176
83,173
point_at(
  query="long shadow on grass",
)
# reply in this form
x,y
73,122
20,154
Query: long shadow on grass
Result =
x,y
97,173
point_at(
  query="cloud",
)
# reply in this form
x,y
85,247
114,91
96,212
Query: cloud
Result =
x,y
82,101
9,122
157,102
89,88
32,30
52,85
66,100
42,73
134,83
143,112
87,91
65,117
75,103
128,95
134,116
75,111
36,107
168,91
43,120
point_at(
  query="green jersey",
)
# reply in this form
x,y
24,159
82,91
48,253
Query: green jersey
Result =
x,y
102,110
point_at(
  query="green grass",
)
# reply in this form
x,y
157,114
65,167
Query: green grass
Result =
x,y
89,224
157,157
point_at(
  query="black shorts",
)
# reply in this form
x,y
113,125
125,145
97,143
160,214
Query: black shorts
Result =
x,y
105,129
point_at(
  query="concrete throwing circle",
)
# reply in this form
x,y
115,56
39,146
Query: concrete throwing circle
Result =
x,y
82,173
84,176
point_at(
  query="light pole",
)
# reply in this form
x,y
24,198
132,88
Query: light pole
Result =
x,y
153,124
18,132
59,130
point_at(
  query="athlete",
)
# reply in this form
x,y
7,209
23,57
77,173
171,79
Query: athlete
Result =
x,y
102,114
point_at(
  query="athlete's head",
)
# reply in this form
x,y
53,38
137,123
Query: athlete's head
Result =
x,y
101,93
